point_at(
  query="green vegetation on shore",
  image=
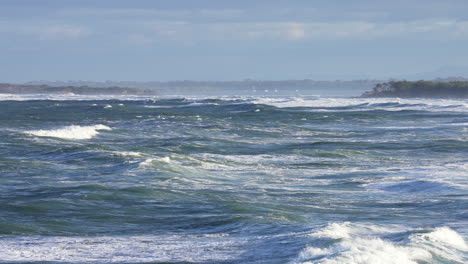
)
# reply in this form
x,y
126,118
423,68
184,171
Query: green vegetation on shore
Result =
x,y
420,89
405,89
79,90
239,87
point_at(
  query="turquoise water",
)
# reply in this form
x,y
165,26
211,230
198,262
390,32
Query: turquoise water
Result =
x,y
233,180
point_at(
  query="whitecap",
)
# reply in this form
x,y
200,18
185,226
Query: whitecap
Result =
x,y
70,132
366,251
444,243
444,236
127,153
367,244
121,249
359,104
148,162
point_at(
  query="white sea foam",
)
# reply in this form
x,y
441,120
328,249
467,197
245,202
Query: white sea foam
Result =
x,y
70,132
127,154
71,96
157,106
444,243
444,236
148,162
366,244
348,230
322,103
366,251
198,104
120,249
389,104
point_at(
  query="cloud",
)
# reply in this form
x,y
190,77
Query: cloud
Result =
x,y
149,31
340,30
295,31
300,31
60,32
45,31
140,39
462,29
138,14
221,13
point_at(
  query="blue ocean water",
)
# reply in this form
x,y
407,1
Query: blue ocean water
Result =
x,y
233,180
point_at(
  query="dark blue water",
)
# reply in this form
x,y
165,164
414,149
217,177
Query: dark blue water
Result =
x,y
233,180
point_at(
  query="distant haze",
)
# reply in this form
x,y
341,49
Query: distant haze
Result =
x,y
244,87
232,40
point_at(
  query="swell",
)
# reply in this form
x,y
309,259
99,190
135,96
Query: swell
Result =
x,y
245,179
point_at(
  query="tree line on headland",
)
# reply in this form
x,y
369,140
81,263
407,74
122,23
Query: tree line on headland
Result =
x,y
439,88
243,87
420,89
78,90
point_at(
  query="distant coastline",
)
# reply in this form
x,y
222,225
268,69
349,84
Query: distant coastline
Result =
x,y
78,90
188,88
454,87
236,87
420,89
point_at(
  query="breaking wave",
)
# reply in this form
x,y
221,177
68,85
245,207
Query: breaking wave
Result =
x,y
70,132
364,244
119,249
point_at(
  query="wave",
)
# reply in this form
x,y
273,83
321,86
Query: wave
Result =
x,y
121,249
359,104
70,132
315,103
150,161
363,244
71,97
127,154
418,186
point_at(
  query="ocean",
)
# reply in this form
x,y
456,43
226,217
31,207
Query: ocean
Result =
x,y
236,179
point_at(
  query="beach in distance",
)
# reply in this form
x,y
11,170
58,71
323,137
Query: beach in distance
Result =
x,y
232,179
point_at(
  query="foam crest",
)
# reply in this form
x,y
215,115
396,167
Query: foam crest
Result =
x,y
448,237
366,244
120,249
355,104
348,230
127,154
150,161
334,230
444,243
71,96
366,251
70,132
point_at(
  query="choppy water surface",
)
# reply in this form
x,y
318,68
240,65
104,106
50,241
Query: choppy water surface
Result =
x,y
233,180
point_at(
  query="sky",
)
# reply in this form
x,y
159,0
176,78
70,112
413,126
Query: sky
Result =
x,y
219,40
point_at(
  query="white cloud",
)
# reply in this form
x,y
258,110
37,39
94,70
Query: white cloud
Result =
x,y
295,31
150,31
45,31
60,32
140,39
338,30
462,29
138,14
221,13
